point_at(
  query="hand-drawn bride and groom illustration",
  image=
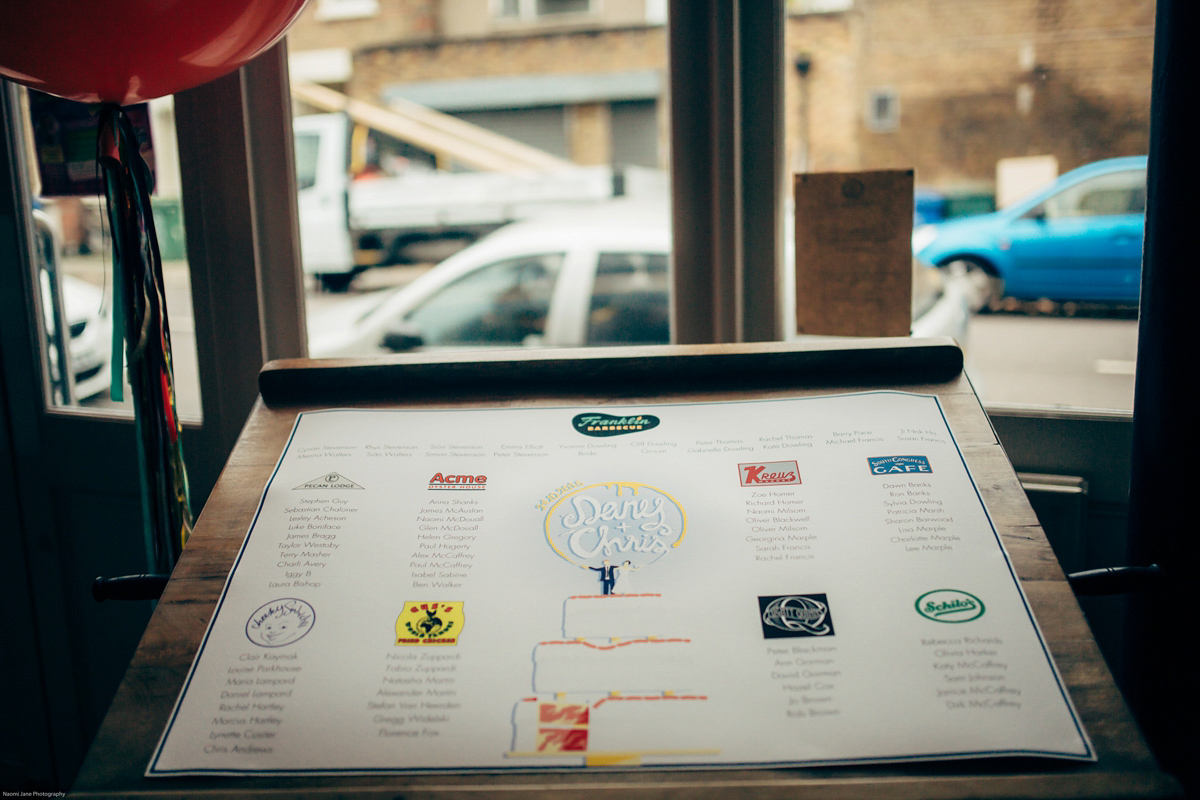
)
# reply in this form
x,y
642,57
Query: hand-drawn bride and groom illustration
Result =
x,y
615,580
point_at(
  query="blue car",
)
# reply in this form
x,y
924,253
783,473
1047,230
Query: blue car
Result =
x,y
1078,240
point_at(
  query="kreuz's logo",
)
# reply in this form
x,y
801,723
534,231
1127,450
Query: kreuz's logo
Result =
x,y
330,480
769,473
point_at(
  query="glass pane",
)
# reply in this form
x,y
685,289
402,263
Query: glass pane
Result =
x,y
74,254
502,303
469,122
995,106
629,300
562,6
1106,195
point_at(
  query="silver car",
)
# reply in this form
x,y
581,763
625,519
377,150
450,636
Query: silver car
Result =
x,y
590,278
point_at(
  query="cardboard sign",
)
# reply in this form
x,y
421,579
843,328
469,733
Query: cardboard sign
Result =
x,y
854,253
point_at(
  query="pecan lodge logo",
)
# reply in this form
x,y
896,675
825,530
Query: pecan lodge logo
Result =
x,y
790,615
596,424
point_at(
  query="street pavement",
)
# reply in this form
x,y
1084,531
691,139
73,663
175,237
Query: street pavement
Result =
x,y
1058,361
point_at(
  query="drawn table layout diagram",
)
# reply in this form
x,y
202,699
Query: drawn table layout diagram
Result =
x,y
767,582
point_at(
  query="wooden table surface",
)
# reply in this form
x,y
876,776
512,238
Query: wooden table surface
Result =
x,y
119,755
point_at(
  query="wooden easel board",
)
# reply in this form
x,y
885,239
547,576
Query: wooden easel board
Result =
x,y
764,374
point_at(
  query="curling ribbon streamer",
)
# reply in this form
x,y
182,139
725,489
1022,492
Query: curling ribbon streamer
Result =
x,y
140,317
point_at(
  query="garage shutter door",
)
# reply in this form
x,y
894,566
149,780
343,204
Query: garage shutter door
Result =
x,y
635,133
544,128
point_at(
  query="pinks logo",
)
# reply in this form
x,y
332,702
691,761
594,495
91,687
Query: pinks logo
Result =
x,y
769,473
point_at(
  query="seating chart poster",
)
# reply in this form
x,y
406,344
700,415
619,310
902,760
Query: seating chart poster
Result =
x,y
778,582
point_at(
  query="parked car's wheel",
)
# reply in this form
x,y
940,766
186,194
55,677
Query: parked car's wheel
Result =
x,y
986,287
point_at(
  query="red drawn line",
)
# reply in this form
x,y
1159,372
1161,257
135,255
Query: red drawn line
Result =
x,y
589,596
604,700
611,646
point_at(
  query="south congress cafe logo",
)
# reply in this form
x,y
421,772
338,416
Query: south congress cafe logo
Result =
x,y
622,521
899,465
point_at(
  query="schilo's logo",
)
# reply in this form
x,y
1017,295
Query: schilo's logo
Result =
x,y
769,473
330,480
476,483
789,615
950,605
608,425
899,465
429,624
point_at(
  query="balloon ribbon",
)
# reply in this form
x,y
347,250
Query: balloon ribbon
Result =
x,y
140,320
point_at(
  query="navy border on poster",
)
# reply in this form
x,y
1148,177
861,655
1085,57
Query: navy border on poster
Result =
x,y
1089,753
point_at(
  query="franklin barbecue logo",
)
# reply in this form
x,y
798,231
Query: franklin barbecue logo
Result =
x,y
950,605
429,624
475,483
608,425
769,473
330,480
899,465
790,615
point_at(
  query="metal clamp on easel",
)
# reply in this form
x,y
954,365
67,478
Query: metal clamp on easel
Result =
x,y
1113,580
129,587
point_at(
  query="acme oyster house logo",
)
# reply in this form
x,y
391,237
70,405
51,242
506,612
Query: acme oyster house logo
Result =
x,y
597,424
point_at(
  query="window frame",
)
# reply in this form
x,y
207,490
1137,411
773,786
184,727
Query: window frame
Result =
x,y
528,11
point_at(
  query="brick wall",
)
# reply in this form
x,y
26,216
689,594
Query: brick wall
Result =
x,y
397,20
821,113
563,53
976,80
980,80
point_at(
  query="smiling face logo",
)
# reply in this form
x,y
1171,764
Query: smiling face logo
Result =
x,y
280,622
620,521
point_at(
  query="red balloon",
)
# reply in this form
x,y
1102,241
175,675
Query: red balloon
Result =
x,y
127,51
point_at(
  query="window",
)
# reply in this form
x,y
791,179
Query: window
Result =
x,y
629,300
328,10
883,110
506,302
400,168
529,9
562,6
1104,195
307,147
74,260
